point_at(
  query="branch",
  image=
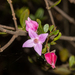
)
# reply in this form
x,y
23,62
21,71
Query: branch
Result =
x,y
13,14
70,19
5,46
7,27
19,32
50,14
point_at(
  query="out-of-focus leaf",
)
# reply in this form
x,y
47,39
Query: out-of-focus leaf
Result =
x,y
54,32
49,45
40,29
53,43
56,38
30,60
24,17
20,11
39,13
46,27
44,50
62,71
32,17
51,28
3,33
63,55
71,61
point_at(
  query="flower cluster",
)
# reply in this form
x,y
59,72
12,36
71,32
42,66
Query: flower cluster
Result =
x,y
36,41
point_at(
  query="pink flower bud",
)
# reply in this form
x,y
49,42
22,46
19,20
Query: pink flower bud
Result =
x,y
30,24
51,58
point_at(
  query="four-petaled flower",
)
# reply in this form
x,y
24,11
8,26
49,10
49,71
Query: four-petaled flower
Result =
x,y
30,24
35,41
51,58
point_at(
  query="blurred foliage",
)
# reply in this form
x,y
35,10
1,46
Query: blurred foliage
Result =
x,y
64,55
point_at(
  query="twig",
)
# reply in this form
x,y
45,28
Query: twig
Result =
x,y
5,46
19,32
7,27
63,13
49,11
13,14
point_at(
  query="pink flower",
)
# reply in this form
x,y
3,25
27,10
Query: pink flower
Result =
x,y
30,24
35,41
51,58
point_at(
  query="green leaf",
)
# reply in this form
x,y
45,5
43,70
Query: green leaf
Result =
x,y
46,27
44,50
63,55
55,4
54,32
49,45
32,17
56,38
40,29
3,33
24,17
53,43
51,28
30,60
39,13
20,11
71,61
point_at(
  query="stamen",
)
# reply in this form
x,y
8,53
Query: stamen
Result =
x,y
35,41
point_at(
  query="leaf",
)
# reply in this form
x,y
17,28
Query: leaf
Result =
x,y
54,32
46,27
20,11
56,3
30,60
71,61
32,17
39,13
40,29
51,28
63,55
53,43
3,33
44,50
49,45
24,17
56,38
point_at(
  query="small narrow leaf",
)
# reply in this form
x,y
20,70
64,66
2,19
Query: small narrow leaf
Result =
x,y
71,61
40,29
51,28
24,17
54,32
44,50
53,43
46,27
56,38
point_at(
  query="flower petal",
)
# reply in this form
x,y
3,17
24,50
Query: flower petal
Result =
x,y
42,37
28,43
29,19
32,34
48,58
38,48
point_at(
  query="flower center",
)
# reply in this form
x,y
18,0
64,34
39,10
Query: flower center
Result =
x,y
35,41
